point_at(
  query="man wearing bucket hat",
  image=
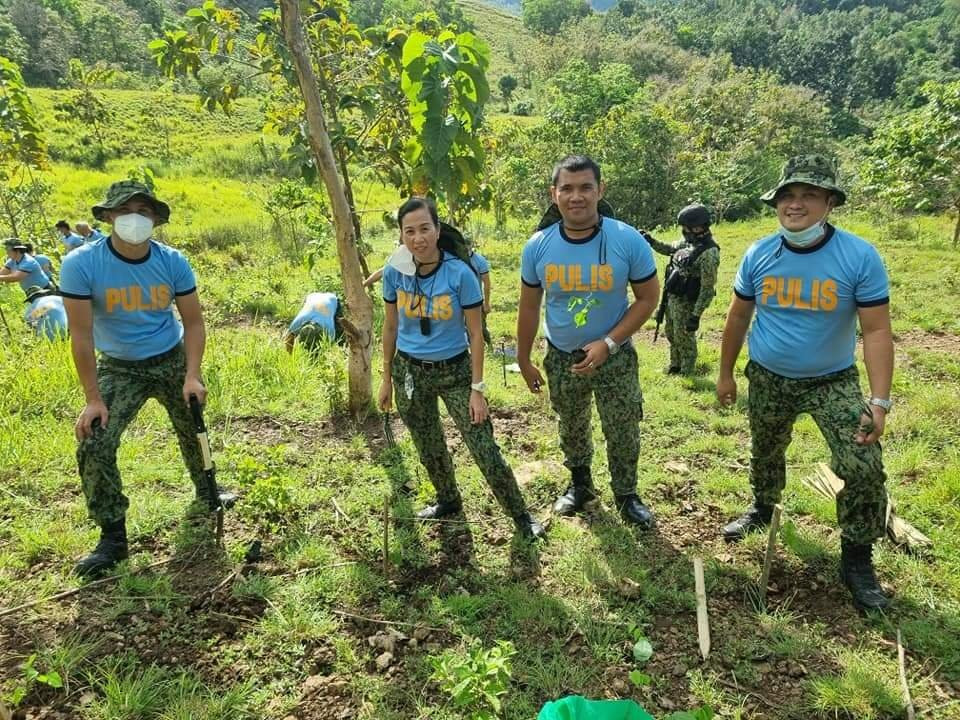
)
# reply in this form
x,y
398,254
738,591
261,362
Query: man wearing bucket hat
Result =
x,y
809,283
21,267
119,296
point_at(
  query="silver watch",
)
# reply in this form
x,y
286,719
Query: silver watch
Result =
x,y
886,404
612,345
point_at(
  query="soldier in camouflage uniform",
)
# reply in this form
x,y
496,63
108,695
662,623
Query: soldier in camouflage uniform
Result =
x,y
690,285
119,296
582,263
808,284
431,296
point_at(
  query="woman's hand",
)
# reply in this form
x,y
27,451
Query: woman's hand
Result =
x,y
385,396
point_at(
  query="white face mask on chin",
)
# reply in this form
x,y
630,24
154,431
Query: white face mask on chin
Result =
x,y
808,237
402,260
133,228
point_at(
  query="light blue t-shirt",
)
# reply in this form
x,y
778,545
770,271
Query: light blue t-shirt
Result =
x,y
807,300
442,296
44,262
95,235
585,281
29,265
132,299
47,317
480,263
71,241
319,308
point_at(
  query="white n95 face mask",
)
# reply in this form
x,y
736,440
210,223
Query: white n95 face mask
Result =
x,y
133,228
402,261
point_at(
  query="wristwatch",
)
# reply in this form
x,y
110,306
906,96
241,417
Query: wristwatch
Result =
x,y
612,345
480,387
881,403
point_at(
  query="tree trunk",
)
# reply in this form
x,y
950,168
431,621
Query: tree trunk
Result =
x,y
358,315
956,229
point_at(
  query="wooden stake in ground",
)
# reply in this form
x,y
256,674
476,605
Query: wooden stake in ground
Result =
x,y
386,535
703,622
771,546
904,686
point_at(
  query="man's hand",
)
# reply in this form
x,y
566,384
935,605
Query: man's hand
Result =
x,y
871,428
385,396
726,390
478,407
194,386
92,414
597,354
486,307
531,376
693,323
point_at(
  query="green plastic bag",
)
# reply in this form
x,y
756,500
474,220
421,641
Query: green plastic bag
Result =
x,y
574,707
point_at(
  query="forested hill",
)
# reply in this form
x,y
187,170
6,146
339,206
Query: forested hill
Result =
x,y
855,54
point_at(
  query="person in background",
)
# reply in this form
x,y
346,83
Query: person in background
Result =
x,y
318,320
88,233
71,241
21,267
45,314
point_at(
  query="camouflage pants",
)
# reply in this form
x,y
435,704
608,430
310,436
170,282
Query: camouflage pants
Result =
x,y
420,413
683,342
836,404
125,386
616,386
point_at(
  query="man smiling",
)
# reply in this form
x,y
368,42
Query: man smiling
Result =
x,y
119,296
583,265
808,284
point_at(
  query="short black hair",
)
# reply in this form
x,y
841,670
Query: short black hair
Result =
x,y
62,224
418,203
575,163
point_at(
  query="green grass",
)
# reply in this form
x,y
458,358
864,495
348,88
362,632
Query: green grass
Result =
x,y
143,647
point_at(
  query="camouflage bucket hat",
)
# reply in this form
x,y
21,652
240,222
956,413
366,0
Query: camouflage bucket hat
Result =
x,y
816,170
14,244
122,191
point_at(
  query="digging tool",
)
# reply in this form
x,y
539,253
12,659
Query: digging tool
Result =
x,y
388,431
219,501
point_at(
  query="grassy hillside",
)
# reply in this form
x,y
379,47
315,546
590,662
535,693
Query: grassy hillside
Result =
x,y
505,34
302,634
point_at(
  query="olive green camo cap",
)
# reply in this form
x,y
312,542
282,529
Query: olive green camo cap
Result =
x,y
124,190
816,170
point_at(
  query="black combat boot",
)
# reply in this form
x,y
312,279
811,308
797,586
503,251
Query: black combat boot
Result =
x,y
529,527
579,492
111,549
632,510
756,517
440,510
856,571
